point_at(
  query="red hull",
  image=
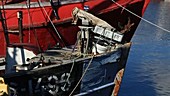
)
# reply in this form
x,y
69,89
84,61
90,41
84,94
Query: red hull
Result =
x,y
43,35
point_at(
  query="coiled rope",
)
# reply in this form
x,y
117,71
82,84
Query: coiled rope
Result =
x,y
166,30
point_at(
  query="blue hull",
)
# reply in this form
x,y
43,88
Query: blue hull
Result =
x,y
92,76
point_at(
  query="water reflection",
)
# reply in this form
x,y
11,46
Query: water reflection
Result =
x,y
147,70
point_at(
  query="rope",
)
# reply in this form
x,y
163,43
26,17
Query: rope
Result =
x,y
51,22
34,30
3,21
166,30
82,75
86,68
71,70
29,21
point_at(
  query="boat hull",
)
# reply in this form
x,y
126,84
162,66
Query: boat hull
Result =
x,y
89,77
94,75
39,31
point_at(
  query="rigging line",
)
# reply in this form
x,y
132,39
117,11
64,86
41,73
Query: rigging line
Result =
x,y
3,8
141,17
29,16
41,5
71,70
85,69
5,23
34,30
82,75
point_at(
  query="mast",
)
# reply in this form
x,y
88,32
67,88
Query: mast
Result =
x,y
19,16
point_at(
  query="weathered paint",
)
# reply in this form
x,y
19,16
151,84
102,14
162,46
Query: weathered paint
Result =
x,y
117,81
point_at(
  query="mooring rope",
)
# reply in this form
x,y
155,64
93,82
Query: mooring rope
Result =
x,y
82,75
141,17
86,67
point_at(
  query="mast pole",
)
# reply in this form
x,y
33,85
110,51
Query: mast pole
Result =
x,y
19,15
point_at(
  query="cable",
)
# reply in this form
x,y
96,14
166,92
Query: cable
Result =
x,y
141,17
82,76
34,30
51,22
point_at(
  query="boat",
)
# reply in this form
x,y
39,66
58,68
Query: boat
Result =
x,y
67,47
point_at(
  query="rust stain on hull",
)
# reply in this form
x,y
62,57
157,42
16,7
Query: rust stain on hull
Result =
x,y
117,82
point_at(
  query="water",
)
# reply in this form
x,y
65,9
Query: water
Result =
x,y
148,67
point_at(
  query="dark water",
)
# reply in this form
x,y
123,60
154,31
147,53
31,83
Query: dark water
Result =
x,y
148,67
